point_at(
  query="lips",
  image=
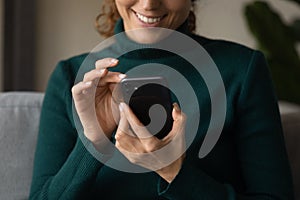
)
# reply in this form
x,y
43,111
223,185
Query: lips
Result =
x,y
148,19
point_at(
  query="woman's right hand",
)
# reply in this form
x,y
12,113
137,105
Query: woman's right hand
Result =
x,y
94,101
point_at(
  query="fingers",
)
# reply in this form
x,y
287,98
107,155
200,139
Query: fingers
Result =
x,y
88,81
105,63
177,114
179,121
80,87
146,140
123,126
99,76
125,139
138,128
104,75
94,75
107,77
125,142
111,77
100,69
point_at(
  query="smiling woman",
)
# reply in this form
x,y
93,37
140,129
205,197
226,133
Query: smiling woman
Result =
x,y
106,20
141,14
249,160
145,14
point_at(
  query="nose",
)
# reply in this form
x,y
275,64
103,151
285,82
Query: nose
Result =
x,y
150,4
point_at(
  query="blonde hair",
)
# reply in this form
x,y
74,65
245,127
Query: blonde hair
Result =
x,y
109,15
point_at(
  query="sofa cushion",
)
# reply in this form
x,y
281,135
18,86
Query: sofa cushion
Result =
x,y
19,119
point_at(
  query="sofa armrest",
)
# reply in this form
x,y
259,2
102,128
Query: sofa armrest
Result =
x,y
290,117
19,120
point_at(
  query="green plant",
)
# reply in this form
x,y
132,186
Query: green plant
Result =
x,y
278,41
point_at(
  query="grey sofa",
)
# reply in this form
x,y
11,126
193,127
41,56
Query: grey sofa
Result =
x,y
19,119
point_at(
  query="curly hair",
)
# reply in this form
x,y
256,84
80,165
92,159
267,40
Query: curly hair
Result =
x,y
106,20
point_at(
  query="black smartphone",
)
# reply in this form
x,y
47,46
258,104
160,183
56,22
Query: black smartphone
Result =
x,y
143,95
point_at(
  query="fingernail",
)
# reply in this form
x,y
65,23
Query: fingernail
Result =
x,y
113,61
88,83
176,107
84,91
121,76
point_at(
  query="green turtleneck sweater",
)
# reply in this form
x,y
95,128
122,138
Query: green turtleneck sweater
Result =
x,y
249,160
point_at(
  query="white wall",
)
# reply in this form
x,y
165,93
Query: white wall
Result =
x,y
225,19
1,43
65,27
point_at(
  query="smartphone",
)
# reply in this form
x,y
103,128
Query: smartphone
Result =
x,y
145,93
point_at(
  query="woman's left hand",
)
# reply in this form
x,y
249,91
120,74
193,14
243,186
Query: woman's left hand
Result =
x,y
140,147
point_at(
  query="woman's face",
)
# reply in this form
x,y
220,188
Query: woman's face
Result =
x,y
153,13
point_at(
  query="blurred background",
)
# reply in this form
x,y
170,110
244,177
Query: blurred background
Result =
x,y
36,34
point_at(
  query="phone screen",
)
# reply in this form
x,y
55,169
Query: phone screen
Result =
x,y
141,94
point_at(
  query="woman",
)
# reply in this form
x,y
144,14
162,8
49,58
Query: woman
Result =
x,y
248,162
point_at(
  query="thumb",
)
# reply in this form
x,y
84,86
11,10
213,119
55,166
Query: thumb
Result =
x,y
176,112
179,120
123,123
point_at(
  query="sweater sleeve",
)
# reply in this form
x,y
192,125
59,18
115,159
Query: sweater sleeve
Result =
x,y
260,145
63,168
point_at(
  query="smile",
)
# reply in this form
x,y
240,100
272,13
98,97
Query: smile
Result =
x,y
148,20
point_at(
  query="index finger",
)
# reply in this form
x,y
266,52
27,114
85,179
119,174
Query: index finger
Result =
x,y
138,128
106,62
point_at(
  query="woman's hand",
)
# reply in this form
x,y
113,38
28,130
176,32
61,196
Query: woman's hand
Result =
x,y
140,147
94,103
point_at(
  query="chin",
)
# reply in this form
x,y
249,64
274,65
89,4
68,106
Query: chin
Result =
x,y
148,35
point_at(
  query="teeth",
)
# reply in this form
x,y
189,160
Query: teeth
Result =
x,y
148,20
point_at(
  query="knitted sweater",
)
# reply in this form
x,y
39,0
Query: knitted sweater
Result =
x,y
249,160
